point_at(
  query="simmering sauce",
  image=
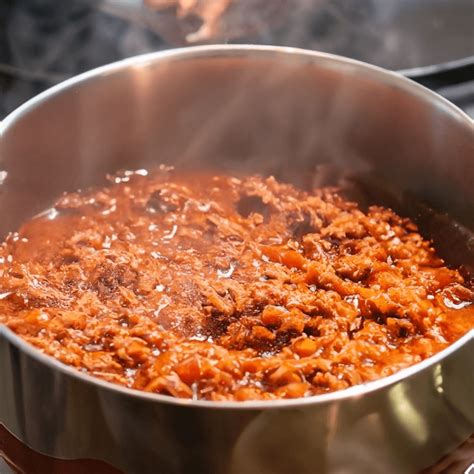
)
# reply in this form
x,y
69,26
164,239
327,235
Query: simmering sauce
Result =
x,y
225,288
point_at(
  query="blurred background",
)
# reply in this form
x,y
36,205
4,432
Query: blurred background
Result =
x,y
43,42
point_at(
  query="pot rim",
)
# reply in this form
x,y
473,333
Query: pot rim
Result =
x,y
332,61
353,392
393,78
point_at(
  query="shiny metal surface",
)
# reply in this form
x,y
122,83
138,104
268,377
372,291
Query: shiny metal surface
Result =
x,y
272,110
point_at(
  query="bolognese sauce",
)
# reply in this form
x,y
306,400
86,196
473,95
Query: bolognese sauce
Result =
x,y
223,288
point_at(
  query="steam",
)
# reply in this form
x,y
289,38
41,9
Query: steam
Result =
x,y
48,41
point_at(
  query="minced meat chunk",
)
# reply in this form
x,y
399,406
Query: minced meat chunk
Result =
x,y
224,288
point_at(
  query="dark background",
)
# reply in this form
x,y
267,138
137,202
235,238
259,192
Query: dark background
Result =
x,y
43,42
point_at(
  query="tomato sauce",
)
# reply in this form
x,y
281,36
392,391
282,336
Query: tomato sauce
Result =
x,y
225,288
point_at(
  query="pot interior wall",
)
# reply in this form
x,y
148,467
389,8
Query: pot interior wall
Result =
x,y
263,111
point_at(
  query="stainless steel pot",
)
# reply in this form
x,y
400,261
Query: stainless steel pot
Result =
x,y
268,109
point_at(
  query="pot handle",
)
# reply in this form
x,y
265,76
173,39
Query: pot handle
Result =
x,y
445,78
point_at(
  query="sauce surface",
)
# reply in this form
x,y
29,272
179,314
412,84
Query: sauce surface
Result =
x,y
225,288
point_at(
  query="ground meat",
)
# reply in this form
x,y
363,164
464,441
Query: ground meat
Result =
x,y
219,288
